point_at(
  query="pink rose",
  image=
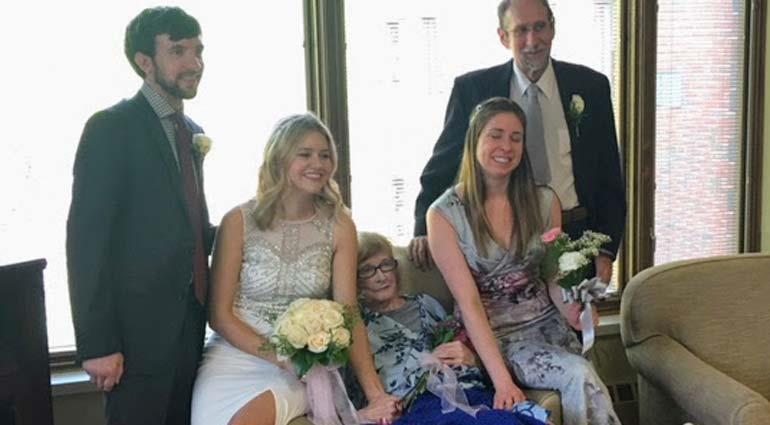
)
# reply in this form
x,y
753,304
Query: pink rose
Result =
x,y
551,235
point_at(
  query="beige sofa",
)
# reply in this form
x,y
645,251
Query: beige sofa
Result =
x,y
697,334
413,280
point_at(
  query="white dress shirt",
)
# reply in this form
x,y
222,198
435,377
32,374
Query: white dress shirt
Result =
x,y
555,131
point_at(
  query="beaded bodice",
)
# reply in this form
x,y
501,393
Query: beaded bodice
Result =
x,y
292,260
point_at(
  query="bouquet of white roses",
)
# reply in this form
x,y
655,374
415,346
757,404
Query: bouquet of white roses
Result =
x,y
316,335
313,332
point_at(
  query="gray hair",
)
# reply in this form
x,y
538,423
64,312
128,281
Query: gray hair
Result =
x,y
506,4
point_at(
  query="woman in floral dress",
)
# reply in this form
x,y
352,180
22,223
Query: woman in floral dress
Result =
x,y
485,237
402,329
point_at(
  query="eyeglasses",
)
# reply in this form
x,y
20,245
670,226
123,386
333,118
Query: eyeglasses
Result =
x,y
385,266
523,30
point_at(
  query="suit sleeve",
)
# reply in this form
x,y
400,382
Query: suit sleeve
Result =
x,y
442,167
611,201
96,192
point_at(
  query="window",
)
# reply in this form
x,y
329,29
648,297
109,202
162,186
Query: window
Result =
x,y
402,59
700,71
64,70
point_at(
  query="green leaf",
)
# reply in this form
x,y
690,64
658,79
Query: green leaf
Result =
x,y
416,392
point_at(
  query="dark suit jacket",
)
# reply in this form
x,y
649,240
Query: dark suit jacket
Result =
x,y
595,160
130,242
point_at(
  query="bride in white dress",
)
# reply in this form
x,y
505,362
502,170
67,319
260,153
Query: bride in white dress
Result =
x,y
296,239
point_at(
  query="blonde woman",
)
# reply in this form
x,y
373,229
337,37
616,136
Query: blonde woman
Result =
x,y
296,239
487,237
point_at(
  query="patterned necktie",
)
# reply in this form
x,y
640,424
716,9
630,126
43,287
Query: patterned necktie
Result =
x,y
536,149
194,204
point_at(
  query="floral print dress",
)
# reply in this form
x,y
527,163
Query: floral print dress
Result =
x,y
542,351
397,349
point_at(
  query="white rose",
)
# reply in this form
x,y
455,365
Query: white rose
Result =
x,y
316,306
312,326
297,316
332,319
341,337
578,104
570,261
319,342
202,143
295,334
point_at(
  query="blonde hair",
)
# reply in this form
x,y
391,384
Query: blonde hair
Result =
x,y
522,192
281,148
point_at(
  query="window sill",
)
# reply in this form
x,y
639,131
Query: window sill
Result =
x,y
609,325
73,380
70,381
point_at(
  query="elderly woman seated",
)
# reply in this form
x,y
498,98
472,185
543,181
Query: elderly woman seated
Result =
x,y
402,331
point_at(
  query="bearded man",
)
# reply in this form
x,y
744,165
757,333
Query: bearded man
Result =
x,y
138,232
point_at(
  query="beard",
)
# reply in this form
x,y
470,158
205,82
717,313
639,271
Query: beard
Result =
x,y
172,85
533,64
173,88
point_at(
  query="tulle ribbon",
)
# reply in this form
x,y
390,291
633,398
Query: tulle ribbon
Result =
x,y
327,398
584,293
442,382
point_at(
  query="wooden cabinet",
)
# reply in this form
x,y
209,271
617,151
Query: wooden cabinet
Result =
x,y
25,378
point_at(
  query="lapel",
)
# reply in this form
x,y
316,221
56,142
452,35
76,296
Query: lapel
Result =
x,y
500,80
566,90
157,137
196,154
581,157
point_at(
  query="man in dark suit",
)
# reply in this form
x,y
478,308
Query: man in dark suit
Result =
x,y
578,153
138,232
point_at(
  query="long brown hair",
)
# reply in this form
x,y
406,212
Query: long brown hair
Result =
x,y
522,192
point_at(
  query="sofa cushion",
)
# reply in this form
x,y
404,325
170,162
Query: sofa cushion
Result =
x,y
414,280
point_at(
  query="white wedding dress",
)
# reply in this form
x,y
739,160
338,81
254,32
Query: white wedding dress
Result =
x,y
290,261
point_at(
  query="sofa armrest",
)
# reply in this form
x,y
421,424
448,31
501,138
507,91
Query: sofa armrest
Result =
x,y
705,393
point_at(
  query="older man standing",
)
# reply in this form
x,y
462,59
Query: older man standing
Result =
x,y
571,140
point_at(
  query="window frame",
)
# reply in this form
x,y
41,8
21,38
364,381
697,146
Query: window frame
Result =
x,y
326,82
639,157
753,125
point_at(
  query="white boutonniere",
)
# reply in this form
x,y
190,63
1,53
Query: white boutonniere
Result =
x,y
577,107
201,143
